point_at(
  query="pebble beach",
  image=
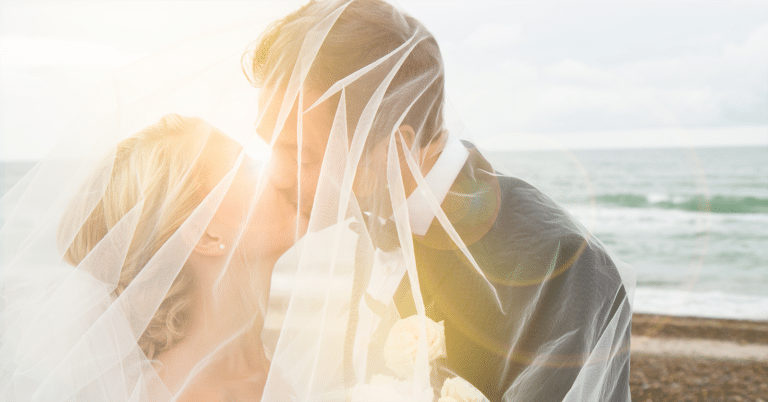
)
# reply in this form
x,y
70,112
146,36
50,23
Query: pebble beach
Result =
x,y
698,359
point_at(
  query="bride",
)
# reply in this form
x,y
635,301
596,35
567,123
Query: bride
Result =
x,y
416,271
130,211
137,257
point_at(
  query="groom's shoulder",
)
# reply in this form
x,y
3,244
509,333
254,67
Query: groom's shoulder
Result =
x,y
501,211
520,204
530,221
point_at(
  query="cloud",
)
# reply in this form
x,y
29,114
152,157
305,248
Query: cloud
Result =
x,y
616,139
754,48
22,52
724,85
494,36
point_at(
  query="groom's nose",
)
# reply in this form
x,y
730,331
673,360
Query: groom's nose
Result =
x,y
283,174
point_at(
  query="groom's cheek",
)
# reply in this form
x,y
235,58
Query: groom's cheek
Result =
x,y
282,169
310,176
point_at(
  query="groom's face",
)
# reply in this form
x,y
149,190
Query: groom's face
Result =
x,y
297,182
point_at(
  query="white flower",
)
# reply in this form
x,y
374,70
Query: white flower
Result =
x,y
402,343
384,388
458,389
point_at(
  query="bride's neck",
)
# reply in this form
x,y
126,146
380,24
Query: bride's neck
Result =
x,y
224,302
219,334
219,316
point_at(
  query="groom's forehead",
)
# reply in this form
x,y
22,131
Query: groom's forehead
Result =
x,y
312,149
316,122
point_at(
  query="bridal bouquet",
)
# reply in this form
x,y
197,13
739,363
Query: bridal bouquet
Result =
x,y
400,355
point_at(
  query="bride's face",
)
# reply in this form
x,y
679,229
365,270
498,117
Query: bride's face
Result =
x,y
262,226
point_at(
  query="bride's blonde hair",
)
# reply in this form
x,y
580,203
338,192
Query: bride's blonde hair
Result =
x,y
158,166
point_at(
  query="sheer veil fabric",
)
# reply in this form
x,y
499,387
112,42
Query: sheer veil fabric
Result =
x,y
374,255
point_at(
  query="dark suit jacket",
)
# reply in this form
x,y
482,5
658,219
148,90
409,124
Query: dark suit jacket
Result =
x,y
556,284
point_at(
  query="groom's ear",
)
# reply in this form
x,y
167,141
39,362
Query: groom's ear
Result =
x,y
211,244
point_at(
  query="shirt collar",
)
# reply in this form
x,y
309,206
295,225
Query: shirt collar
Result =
x,y
439,180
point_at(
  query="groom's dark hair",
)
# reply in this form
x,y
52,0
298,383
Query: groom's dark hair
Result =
x,y
366,31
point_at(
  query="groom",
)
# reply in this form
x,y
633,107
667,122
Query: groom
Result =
x,y
560,293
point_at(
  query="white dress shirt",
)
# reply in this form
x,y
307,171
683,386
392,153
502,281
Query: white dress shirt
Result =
x,y
389,267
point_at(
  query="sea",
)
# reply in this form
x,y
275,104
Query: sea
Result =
x,y
692,222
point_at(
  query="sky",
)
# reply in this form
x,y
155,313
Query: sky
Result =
x,y
521,74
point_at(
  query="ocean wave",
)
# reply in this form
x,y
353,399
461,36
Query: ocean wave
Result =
x,y
716,204
712,304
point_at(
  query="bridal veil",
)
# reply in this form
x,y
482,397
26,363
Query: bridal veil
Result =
x,y
369,247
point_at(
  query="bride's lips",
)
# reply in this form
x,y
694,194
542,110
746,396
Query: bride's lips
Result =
x,y
290,197
299,224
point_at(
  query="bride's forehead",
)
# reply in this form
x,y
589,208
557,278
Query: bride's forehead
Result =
x,y
219,149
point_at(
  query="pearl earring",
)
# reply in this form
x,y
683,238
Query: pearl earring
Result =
x,y
222,247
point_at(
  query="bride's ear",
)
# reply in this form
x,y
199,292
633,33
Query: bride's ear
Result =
x,y
210,244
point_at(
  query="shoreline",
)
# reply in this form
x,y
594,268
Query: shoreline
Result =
x,y
687,358
732,330
698,359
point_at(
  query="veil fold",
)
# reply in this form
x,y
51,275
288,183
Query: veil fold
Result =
x,y
374,253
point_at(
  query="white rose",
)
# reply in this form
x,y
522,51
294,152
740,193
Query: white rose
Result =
x,y
402,343
458,389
